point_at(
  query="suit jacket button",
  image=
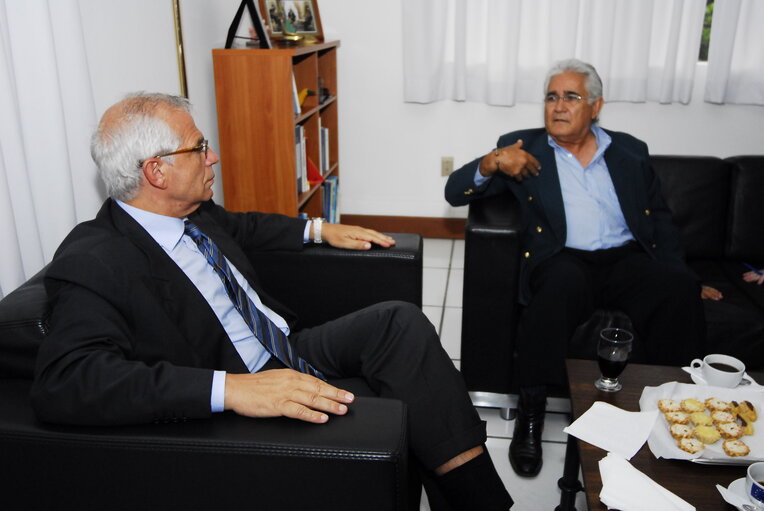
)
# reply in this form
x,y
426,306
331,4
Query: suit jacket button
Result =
x,y
527,255
647,212
538,228
530,198
654,245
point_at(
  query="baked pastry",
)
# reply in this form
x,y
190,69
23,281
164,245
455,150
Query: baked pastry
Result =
x,y
745,410
701,419
692,405
722,417
747,427
669,405
707,434
735,447
681,431
691,445
730,430
677,417
715,404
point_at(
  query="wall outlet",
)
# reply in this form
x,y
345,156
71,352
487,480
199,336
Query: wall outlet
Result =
x,y
446,165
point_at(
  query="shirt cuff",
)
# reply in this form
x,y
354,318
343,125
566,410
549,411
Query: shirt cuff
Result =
x,y
480,178
306,233
217,399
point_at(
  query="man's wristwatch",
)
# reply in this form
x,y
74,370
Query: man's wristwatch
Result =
x,y
317,222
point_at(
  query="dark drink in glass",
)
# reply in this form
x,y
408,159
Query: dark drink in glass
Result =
x,y
613,349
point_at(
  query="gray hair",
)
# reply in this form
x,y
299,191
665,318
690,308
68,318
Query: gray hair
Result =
x,y
593,81
129,132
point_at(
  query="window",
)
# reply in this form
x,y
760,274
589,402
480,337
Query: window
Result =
x,y
706,36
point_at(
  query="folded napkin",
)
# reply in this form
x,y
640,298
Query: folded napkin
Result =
x,y
627,489
612,429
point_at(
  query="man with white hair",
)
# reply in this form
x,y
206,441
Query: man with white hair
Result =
x,y
597,233
158,314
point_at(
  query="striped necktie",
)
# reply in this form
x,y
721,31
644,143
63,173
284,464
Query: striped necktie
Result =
x,y
269,335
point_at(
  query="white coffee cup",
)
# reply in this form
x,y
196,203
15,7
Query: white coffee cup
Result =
x,y
754,488
720,370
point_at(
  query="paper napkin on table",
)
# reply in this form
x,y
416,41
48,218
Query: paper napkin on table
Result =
x,y
612,429
627,489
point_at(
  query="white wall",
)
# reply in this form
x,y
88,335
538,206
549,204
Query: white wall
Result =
x,y
389,150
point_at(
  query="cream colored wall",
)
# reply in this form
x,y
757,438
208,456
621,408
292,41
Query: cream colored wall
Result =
x,y
390,150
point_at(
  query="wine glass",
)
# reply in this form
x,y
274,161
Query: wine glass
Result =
x,y
613,351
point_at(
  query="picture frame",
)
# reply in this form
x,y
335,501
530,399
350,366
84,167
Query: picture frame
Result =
x,y
248,31
292,20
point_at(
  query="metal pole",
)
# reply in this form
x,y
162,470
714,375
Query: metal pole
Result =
x,y
179,49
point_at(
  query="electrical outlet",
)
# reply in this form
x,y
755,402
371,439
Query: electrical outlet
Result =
x,y
446,165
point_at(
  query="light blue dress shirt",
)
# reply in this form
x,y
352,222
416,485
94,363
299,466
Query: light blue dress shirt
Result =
x,y
168,233
592,211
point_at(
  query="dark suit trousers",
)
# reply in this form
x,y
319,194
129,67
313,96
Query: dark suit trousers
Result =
x,y
661,299
396,350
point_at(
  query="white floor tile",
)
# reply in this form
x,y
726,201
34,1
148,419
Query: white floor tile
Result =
x,y
434,314
451,332
497,427
434,286
455,287
457,257
437,253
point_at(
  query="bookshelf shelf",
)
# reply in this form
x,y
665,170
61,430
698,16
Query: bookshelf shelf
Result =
x,y
258,127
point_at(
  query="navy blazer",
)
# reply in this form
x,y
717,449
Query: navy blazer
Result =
x,y
544,228
131,338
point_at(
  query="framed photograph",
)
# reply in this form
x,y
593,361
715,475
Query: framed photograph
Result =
x,y
292,20
247,29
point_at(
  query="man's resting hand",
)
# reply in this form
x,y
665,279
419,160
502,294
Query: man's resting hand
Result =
x,y
284,392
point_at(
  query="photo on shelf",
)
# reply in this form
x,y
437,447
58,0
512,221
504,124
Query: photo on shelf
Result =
x,y
247,31
292,20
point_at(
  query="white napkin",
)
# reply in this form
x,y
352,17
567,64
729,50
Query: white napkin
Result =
x,y
626,488
731,497
612,429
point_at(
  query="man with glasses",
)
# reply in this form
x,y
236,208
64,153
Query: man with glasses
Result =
x,y
157,314
597,233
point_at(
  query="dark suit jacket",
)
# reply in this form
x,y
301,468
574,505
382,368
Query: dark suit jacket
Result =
x,y
131,338
540,199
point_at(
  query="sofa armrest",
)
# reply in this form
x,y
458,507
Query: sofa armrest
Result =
x,y
491,276
225,462
321,282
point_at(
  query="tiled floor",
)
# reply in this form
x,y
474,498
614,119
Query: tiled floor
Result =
x,y
442,303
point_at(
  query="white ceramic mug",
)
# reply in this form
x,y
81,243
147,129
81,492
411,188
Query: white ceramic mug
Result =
x,y
754,484
720,370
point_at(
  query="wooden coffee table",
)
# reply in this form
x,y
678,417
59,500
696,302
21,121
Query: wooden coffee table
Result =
x,y
693,482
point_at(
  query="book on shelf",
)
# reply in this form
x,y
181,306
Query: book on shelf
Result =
x,y
324,148
296,98
330,193
300,156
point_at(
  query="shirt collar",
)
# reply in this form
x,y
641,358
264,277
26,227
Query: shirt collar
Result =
x,y
602,138
166,230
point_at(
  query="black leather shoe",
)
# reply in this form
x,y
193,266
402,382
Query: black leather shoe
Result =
x,y
525,448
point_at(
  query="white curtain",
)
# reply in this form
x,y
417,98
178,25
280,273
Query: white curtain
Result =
x,y
498,51
736,53
48,182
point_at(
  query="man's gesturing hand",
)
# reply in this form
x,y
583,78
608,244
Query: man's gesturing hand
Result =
x,y
284,392
511,160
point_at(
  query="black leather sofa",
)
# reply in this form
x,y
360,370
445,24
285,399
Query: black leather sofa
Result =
x,y
718,205
358,461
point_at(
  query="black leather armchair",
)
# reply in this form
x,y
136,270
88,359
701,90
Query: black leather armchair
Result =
x,y
717,205
358,461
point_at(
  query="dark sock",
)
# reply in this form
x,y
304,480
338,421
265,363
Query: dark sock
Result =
x,y
475,485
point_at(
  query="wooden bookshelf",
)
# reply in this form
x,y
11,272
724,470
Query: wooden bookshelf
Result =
x,y
256,124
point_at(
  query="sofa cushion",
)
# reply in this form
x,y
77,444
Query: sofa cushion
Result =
x,y
746,239
697,190
23,324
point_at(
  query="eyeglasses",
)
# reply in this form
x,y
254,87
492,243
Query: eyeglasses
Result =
x,y
202,148
568,97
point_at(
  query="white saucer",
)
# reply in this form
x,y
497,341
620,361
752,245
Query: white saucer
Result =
x,y
699,380
738,488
